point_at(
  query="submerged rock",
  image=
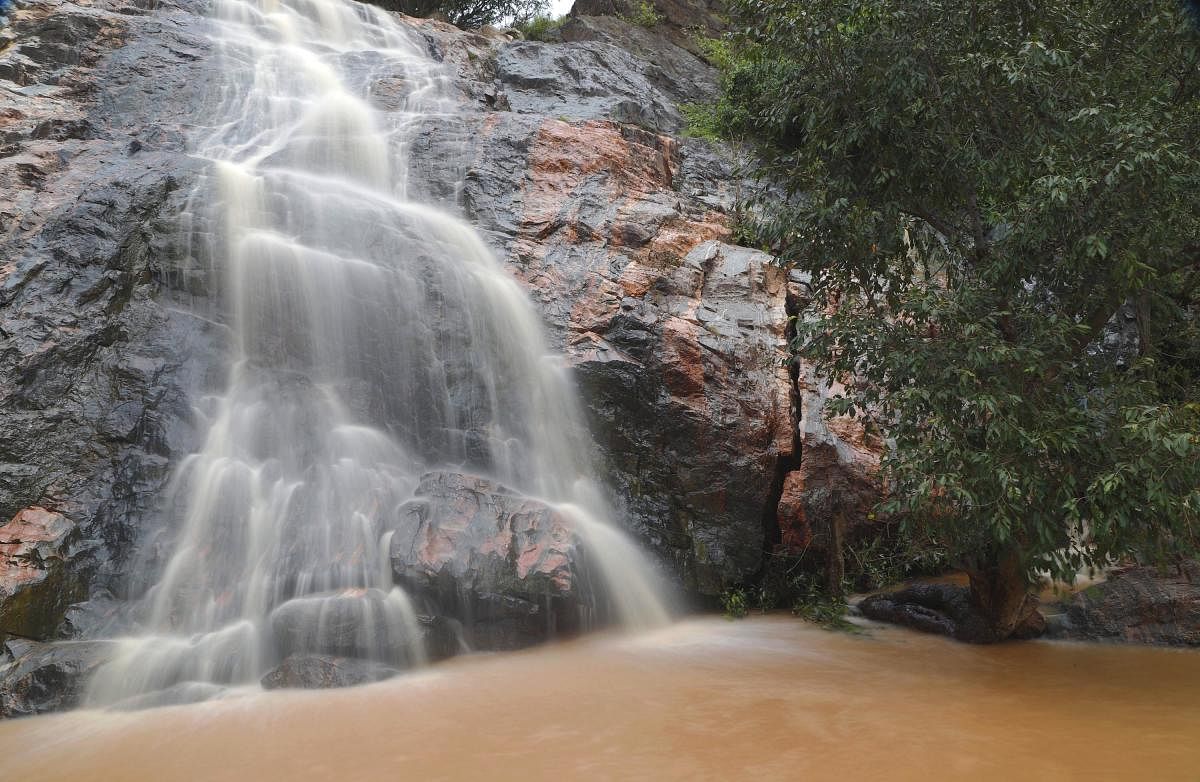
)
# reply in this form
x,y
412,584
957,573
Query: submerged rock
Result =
x,y
354,623
176,695
323,671
1138,605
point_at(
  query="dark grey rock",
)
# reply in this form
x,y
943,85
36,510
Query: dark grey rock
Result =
x,y
681,75
99,353
582,81
1138,605
356,623
43,677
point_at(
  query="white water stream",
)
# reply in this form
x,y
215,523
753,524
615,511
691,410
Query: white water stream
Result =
x,y
375,338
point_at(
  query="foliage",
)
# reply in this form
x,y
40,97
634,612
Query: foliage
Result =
x,y
813,603
890,556
541,27
735,603
470,14
982,193
644,14
701,121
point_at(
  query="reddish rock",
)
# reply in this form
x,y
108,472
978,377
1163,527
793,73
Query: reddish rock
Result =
x,y
838,466
676,336
506,565
35,588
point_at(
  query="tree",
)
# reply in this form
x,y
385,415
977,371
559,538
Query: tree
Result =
x,y
999,207
469,14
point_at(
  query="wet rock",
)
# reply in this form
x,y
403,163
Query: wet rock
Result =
x,y
97,357
620,233
43,677
354,623
504,565
1139,605
36,582
947,609
837,478
322,671
676,337
176,695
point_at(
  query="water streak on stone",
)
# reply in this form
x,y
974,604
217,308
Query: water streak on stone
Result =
x,y
375,338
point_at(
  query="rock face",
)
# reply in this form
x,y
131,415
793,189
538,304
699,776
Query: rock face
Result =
x,y
677,337
96,359
36,583
679,21
1139,605
506,565
836,480
588,78
563,157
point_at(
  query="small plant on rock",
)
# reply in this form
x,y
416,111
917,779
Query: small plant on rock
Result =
x,y
644,14
813,603
735,603
541,28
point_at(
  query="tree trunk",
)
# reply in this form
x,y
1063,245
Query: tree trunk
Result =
x,y
835,565
1001,601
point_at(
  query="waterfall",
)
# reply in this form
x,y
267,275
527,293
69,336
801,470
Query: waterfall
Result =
x,y
373,338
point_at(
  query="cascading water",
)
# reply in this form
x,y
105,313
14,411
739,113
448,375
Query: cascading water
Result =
x,y
374,338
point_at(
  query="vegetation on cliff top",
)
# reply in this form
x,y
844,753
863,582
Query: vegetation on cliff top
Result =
x,y
996,203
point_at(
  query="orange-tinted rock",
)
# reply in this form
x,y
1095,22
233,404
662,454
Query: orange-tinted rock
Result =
x,y
677,337
838,472
35,586
505,565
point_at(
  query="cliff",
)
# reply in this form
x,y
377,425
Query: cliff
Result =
x,y
569,157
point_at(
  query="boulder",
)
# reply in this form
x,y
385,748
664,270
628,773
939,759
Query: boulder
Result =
x,y
323,671
1138,605
36,582
176,695
43,677
365,623
507,566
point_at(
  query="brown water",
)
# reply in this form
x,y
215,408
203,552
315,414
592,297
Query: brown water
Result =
x,y
766,698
